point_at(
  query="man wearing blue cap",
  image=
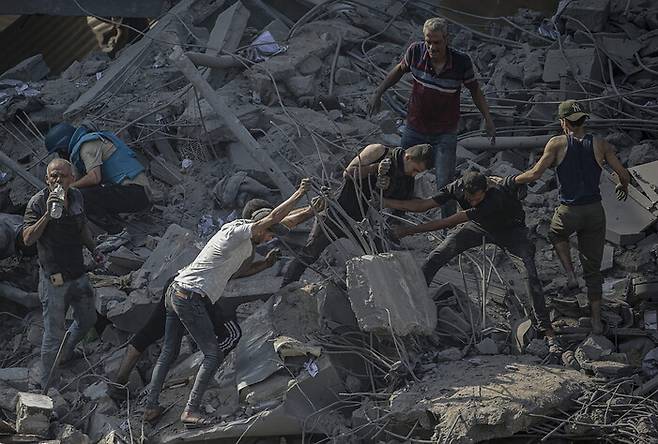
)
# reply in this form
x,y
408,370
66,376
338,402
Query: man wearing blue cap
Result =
x,y
108,174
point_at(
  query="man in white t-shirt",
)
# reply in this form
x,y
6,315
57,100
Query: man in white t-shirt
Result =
x,y
201,284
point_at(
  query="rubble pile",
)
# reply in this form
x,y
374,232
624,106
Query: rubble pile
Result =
x,y
366,351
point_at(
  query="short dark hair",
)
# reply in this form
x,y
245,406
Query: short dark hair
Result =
x,y
422,153
474,181
254,205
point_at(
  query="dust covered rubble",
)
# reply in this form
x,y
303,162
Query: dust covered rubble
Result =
x,y
307,107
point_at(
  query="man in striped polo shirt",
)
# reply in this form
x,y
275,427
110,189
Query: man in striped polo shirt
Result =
x,y
438,73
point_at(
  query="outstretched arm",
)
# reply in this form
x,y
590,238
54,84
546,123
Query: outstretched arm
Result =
x,y
546,161
449,222
413,205
281,211
391,79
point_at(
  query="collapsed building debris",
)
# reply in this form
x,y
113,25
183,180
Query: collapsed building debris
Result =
x,y
366,352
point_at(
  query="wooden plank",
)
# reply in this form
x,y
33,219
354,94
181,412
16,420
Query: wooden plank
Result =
x,y
232,122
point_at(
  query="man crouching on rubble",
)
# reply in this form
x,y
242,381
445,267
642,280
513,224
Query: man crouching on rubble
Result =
x,y
578,158
492,211
201,284
376,167
62,277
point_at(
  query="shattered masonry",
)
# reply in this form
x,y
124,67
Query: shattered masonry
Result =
x,y
219,120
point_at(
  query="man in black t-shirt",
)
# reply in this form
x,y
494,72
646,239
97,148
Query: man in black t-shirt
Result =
x,y
63,280
491,209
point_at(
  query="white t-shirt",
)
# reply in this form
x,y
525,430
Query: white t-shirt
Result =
x,y
219,260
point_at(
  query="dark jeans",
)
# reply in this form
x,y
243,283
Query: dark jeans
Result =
x,y
315,245
514,240
225,325
104,203
588,222
190,313
444,146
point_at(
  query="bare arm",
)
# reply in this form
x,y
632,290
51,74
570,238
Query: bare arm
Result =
x,y
91,179
253,268
391,79
365,163
413,205
481,103
88,239
298,216
546,161
616,165
33,232
448,222
281,211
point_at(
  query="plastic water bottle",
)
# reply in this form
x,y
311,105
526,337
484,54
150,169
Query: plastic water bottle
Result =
x,y
57,207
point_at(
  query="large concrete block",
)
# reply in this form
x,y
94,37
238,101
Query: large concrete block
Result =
x,y
31,69
584,60
592,13
175,250
33,413
131,314
389,291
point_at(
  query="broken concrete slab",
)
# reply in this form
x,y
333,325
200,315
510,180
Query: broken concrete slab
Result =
x,y
346,76
163,170
107,297
33,413
388,293
70,435
175,250
592,13
129,59
646,175
596,347
130,314
487,347
31,69
17,377
8,396
228,29
508,391
234,125
625,220
585,62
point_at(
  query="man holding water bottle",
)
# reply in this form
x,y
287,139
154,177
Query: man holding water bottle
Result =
x,y
55,221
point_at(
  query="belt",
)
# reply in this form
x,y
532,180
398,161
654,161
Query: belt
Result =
x,y
187,293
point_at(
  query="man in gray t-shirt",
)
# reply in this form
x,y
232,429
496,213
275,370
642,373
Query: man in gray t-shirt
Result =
x,y
202,283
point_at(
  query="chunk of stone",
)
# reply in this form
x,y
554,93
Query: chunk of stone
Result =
x,y
584,60
17,377
301,85
31,69
131,314
450,354
346,76
33,413
537,347
592,13
8,396
70,435
596,347
60,406
487,347
388,292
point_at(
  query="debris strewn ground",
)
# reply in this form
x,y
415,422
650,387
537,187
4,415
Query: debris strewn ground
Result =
x,y
349,356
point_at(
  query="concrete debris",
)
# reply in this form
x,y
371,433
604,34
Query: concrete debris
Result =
x,y
447,395
32,69
487,347
388,294
285,96
33,413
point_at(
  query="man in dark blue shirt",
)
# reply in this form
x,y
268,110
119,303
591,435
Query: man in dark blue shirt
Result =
x,y
491,211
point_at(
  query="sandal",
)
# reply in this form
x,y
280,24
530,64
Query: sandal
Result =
x,y
152,414
554,347
197,421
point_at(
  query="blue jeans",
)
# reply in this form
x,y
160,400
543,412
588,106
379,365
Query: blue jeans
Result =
x,y
55,301
189,313
444,146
